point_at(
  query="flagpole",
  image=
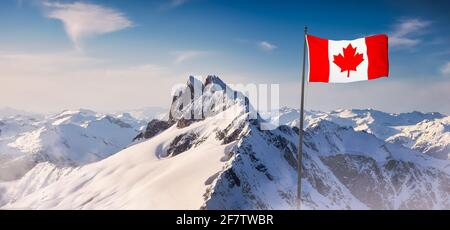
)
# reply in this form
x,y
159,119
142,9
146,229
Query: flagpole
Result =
x,y
300,144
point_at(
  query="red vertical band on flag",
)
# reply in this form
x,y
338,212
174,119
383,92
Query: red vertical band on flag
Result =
x,y
319,66
377,53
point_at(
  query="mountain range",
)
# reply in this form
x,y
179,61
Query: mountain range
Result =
x,y
224,159
69,138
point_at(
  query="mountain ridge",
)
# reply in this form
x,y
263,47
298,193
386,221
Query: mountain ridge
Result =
x,y
227,161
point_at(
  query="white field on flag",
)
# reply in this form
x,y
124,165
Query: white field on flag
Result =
x,y
347,60
337,47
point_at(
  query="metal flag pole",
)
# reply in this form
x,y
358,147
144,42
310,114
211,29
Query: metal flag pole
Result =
x,y
300,143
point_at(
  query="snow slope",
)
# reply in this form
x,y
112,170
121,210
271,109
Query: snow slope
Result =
x,y
69,138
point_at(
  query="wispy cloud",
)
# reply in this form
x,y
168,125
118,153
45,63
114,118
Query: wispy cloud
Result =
x,y
171,4
182,56
445,70
261,45
84,20
407,32
266,46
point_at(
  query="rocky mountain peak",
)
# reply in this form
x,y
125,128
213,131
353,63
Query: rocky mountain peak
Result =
x,y
213,79
197,101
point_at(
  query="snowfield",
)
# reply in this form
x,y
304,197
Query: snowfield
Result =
x,y
139,177
69,138
352,159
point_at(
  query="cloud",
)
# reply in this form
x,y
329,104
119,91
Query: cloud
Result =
x,y
84,20
266,46
55,81
445,70
171,4
406,32
182,56
261,45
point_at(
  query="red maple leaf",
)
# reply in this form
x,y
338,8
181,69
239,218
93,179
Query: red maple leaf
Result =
x,y
349,61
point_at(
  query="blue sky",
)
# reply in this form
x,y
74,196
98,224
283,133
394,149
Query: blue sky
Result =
x,y
128,54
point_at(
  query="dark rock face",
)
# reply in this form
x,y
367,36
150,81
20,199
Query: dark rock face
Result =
x,y
296,130
287,148
233,132
182,123
181,143
362,177
232,178
212,79
154,127
391,184
118,122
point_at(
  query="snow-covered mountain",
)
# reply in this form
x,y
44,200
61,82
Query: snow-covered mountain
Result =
x,y
431,137
144,114
70,138
224,160
425,132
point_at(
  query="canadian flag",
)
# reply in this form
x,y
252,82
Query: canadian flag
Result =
x,y
347,60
